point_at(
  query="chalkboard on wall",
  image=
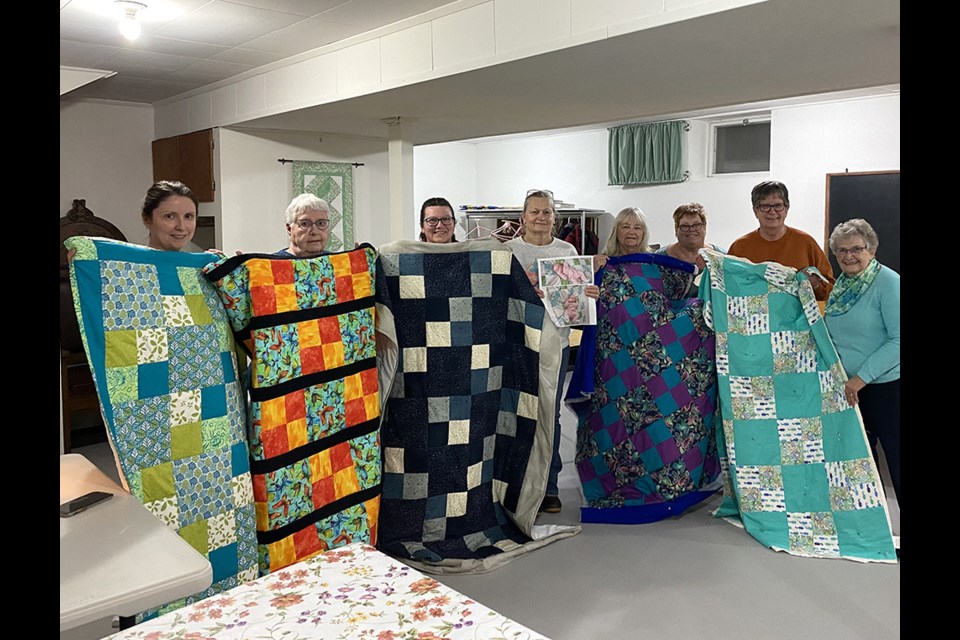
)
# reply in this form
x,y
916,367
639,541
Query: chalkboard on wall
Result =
x,y
873,196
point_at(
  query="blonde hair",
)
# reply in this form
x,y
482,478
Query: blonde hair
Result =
x,y
612,248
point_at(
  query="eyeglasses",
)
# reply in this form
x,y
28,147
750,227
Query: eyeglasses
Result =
x,y
852,251
540,193
687,228
767,208
432,222
304,225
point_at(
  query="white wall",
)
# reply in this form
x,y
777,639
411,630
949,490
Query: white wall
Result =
x,y
105,158
255,188
807,142
446,171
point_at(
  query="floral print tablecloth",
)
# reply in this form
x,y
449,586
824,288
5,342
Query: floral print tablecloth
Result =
x,y
354,593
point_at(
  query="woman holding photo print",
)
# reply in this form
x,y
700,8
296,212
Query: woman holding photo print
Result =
x,y
536,241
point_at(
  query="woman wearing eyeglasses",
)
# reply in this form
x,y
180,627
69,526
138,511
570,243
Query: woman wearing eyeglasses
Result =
x,y
308,226
863,317
437,221
690,227
536,241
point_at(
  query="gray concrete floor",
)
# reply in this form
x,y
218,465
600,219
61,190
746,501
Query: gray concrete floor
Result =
x,y
689,577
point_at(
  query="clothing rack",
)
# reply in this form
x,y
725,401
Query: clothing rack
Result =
x,y
513,214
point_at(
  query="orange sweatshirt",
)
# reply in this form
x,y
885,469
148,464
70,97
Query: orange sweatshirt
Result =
x,y
795,249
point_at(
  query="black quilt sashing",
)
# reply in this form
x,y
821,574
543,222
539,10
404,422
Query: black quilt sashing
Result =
x,y
462,414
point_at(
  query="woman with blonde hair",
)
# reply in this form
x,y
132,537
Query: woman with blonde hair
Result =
x,y
535,242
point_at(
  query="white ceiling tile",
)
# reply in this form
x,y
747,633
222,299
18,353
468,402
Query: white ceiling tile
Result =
x,y
239,55
226,24
134,62
176,47
133,89
82,54
304,8
303,36
209,71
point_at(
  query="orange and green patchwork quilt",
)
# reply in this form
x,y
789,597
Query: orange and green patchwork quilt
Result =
x,y
308,325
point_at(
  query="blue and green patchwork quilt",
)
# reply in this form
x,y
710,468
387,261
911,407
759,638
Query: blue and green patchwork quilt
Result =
x,y
798,472
646,445
469,364
162,356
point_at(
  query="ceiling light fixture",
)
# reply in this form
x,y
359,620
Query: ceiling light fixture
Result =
x,y
129,27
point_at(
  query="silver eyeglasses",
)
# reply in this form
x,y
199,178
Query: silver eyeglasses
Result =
x,y
304,225
852,251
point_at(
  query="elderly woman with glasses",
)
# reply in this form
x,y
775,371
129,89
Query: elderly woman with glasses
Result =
x,y
308,226
536,241
863,317
437,221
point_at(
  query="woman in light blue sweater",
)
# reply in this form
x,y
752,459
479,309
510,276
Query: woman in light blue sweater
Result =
x,y
863,317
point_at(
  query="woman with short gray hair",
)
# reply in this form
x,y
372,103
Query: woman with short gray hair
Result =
x,y
863,317
308,227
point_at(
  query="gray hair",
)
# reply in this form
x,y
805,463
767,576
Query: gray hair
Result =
x,y
303,203
612,248
769,188
851,228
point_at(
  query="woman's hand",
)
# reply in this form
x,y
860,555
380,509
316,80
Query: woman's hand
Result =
x,y
852,388
592,291
599,262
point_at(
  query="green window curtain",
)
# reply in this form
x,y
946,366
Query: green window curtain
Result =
x,y
649,153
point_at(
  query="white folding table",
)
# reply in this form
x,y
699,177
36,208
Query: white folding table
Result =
x,y
116,558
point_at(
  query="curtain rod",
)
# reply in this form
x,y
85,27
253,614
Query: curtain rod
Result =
x,y
286,160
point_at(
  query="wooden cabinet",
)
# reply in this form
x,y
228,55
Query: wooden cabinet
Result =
x,y
189,159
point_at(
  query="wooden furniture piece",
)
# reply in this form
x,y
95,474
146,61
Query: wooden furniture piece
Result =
x,y
189,159
117,558
77,392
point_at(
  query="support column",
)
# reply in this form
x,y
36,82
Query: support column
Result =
x,y
400,162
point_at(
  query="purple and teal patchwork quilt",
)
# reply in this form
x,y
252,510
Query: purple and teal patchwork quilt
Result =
x,y
469,364
645,440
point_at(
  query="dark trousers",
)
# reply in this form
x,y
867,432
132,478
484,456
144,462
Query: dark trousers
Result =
x,y
880,406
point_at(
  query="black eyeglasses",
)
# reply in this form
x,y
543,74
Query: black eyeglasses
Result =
x,y
687,228
540,193
767,208
432,222
304,225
